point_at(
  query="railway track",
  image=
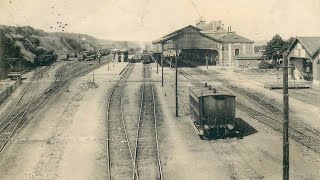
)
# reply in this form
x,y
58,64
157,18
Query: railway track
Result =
x,y
229,150
147,154
269,114
16,121
127,159
12,121
298,130
119,154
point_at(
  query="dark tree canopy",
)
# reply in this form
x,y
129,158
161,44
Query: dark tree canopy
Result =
x,y
276,47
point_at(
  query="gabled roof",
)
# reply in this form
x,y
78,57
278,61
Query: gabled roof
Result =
x,y
174,34
229,37
178,33
311,44
234,38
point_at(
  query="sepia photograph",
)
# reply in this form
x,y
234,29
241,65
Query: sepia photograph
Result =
x,y
159,90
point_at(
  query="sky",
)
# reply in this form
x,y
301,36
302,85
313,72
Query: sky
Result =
x,y
147,20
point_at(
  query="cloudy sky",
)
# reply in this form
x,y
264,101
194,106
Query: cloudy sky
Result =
x,y
149,19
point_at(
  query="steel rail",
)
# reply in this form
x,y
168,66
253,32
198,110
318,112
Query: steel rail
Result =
x,y
155,128
302,136
156,134
12,133
53,85
14,107
138,128
108,120
134,169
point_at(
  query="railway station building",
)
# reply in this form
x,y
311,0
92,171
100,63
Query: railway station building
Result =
x,y
304,55
205,41
120,55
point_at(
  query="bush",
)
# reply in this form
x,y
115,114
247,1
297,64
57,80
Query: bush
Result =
x,y
266,65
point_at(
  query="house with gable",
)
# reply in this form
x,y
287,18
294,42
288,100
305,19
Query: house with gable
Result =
x,y
304,55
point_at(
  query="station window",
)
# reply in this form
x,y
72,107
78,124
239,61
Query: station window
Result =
x,y
236,52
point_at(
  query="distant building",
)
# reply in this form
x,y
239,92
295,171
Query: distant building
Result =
x,y
304,54
206,42
247,61
232,43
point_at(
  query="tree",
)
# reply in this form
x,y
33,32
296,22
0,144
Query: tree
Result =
x,y
276,47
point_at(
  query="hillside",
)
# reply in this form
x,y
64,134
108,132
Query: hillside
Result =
x,y
25,43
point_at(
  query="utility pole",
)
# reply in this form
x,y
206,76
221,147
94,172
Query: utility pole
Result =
x,y
285,122
207,61
285,118
157,64
176,67
162,65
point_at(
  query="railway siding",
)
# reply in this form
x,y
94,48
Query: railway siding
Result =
x,y
265,112
23,112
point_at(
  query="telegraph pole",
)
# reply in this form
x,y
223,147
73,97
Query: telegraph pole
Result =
x,y
162,65
285,118
207,61
176,67
157,64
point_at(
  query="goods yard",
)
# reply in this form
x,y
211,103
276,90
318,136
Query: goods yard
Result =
x,y
146,119
144,90
64,124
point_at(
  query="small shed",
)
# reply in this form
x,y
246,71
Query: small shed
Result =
x,y
247,60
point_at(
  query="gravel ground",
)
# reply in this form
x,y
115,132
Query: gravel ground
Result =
x,y
256,156
67,137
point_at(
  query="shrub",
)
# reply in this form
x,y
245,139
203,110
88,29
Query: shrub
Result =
x,y
266,65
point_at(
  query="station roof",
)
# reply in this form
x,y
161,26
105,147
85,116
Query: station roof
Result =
x,y
232,38
179,32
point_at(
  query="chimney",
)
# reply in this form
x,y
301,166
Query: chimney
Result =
x,y
205,84
230,29
209,87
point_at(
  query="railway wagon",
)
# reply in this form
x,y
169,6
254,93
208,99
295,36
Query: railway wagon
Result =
x,y
146,57
212,112
44,60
